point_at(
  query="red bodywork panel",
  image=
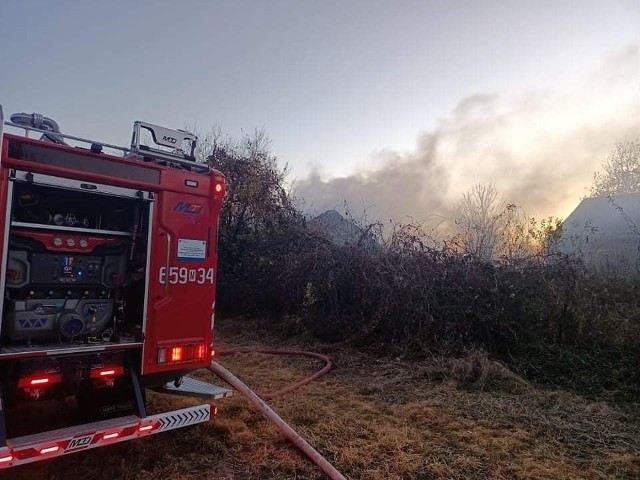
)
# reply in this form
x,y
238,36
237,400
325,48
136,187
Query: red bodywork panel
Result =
x,y
183,269
183,240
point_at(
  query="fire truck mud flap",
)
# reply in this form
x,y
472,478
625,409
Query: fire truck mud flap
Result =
x,y
31,448
190,387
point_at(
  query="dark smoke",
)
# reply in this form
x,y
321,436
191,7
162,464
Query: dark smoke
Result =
x,y
400,187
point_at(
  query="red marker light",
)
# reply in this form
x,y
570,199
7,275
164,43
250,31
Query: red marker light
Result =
x,y
189,352
176,354
145,428
201,351
6,459
110,436
218,185
39,381
44,451
106,372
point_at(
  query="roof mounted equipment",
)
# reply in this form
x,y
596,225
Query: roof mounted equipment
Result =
x,y
181,143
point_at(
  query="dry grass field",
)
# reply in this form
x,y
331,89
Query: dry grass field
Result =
x,y
378,419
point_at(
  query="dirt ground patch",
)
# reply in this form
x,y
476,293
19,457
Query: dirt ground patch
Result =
x,y
376,419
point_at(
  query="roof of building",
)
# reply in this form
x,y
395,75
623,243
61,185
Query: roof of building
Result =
x,y
606,231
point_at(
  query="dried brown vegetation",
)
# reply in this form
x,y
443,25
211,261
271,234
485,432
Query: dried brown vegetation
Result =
x,y
376,418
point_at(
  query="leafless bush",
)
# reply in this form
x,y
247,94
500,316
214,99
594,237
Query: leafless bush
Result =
x,y
547,317
403,292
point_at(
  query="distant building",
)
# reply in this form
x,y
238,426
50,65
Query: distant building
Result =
x,y
605,232
340,230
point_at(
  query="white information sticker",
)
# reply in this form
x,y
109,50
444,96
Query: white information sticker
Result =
x,y
192,249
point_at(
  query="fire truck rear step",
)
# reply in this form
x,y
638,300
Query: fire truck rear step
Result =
x,y
31,448
190,387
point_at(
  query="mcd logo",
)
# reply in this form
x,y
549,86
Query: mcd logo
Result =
x,y
79,442
186,207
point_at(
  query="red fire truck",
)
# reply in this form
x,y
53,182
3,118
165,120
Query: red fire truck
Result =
x,y
107,273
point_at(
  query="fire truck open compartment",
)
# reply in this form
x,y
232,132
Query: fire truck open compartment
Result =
x,y
76,263
73,299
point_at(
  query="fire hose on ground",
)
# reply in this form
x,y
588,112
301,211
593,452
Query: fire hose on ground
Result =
x,y
257,400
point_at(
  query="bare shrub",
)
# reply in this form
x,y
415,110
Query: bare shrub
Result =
x,y
621,171
404,294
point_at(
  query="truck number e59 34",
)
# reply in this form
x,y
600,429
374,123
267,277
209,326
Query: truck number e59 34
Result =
x,y
183,275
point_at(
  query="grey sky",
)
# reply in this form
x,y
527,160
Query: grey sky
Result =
x,y
335,83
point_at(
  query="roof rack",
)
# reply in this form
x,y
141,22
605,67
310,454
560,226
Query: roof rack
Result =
x,y
176,139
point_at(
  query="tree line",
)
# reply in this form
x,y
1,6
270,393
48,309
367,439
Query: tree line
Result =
x,y
495,285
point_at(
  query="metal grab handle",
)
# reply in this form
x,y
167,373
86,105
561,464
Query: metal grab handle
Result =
x,y
167,262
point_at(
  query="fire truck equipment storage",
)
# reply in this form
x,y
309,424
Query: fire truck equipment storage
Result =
x,y
107,275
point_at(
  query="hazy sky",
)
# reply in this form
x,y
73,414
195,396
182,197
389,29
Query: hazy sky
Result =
x,y
408,102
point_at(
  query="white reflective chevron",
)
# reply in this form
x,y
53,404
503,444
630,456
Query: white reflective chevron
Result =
x,y
182,418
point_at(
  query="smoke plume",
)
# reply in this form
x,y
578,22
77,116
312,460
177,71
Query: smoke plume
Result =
x,y
540,149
